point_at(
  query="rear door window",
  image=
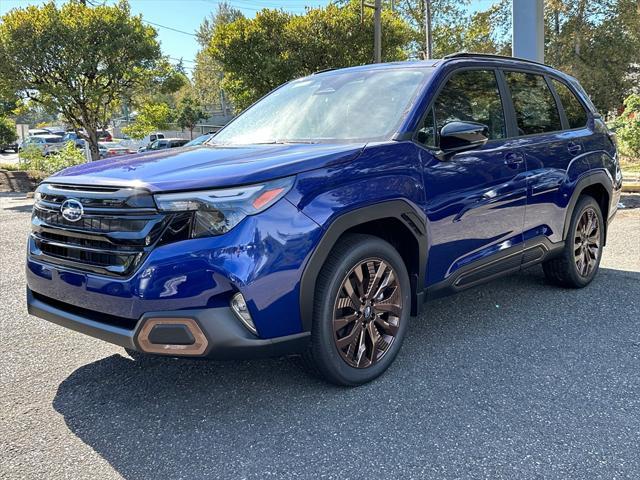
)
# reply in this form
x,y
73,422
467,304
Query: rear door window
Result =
x,y
535,105
573,109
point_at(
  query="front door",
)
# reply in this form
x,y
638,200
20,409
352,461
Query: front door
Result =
x,y
475,200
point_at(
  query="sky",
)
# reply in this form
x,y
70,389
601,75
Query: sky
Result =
x,y
186,16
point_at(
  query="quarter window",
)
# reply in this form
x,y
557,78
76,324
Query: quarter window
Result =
x,y
535,106
573,109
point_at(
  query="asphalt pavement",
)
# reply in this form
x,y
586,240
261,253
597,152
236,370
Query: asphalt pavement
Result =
x,y
9,157
514,379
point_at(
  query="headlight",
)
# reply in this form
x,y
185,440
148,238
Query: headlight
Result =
x,y
217,211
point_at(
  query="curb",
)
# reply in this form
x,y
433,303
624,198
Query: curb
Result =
x,y
631,187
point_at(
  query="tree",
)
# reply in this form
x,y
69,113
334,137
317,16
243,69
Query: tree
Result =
x,y
447,22
8,99
151,117
207,74
81,61
598,43
8,133
628,127
189,114
261,53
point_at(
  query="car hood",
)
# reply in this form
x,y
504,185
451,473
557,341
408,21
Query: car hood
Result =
x,y
207,166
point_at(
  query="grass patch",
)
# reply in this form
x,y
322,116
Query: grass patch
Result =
x,y
9,166
630,165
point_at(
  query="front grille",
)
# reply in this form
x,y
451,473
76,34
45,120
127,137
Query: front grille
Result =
x,y
117,230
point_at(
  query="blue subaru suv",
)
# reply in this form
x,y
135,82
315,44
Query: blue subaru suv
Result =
x,y
325,216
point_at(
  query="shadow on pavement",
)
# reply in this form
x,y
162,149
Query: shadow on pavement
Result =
x,y
630,200
19,208
515,378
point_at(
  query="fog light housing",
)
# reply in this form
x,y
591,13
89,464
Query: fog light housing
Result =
x,y
239,307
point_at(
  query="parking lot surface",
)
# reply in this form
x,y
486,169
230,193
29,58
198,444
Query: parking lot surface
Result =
x,y
514,379
9,158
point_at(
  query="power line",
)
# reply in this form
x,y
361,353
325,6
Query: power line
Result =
x,y
169,28
182,60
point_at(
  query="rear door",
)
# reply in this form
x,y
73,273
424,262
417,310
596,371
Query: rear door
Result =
x,y
475,199
548,146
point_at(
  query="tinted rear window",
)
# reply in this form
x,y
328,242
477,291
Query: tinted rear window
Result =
x,y
535,106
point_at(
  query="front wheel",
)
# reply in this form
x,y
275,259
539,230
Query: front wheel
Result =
x,y
361,311
580,259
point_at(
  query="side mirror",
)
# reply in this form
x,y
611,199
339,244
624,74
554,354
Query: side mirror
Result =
x,y
460,136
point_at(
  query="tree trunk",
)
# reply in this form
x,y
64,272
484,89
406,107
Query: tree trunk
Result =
x,y
580,21
92,133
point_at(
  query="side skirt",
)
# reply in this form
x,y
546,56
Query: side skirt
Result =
x,y
536,250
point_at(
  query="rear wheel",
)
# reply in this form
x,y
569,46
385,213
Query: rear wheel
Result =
x,y
580,259
361,311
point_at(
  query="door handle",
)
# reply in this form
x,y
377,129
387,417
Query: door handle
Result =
x,y
513,160
574,148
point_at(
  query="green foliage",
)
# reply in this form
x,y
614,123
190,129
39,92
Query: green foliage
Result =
x,y
274,47
171,79
207,74
598,43
8,98
31,158
77,59
628,127
8,133
152,117
9,166
189,114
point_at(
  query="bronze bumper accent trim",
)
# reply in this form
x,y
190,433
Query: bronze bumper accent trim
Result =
x,y
197,348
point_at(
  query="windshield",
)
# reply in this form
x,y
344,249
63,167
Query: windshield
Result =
x,y
198,140
348,106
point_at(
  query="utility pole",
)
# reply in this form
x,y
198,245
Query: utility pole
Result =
x,y
427,30
377,27
377,31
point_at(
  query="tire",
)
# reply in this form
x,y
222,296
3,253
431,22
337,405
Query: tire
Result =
x,y
567,270
384,315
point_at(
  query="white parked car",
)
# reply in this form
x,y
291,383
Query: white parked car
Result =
x,y
137,145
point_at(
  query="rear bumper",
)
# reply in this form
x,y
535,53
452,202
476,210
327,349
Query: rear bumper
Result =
x,y
226,338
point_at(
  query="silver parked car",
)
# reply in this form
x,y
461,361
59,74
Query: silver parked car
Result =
x,y
47,144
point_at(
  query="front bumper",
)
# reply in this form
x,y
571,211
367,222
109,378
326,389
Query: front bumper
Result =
x,y
262,258
226,338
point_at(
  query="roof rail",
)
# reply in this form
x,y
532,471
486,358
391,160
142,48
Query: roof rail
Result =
x,y
489,55
325,70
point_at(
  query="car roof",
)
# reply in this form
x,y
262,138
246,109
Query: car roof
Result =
x,y
466,57
45,136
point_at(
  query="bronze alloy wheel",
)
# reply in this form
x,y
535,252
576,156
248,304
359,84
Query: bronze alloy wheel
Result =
x,y
586,246
367,311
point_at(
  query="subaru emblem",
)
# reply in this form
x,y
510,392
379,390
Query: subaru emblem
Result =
x,y
71,210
